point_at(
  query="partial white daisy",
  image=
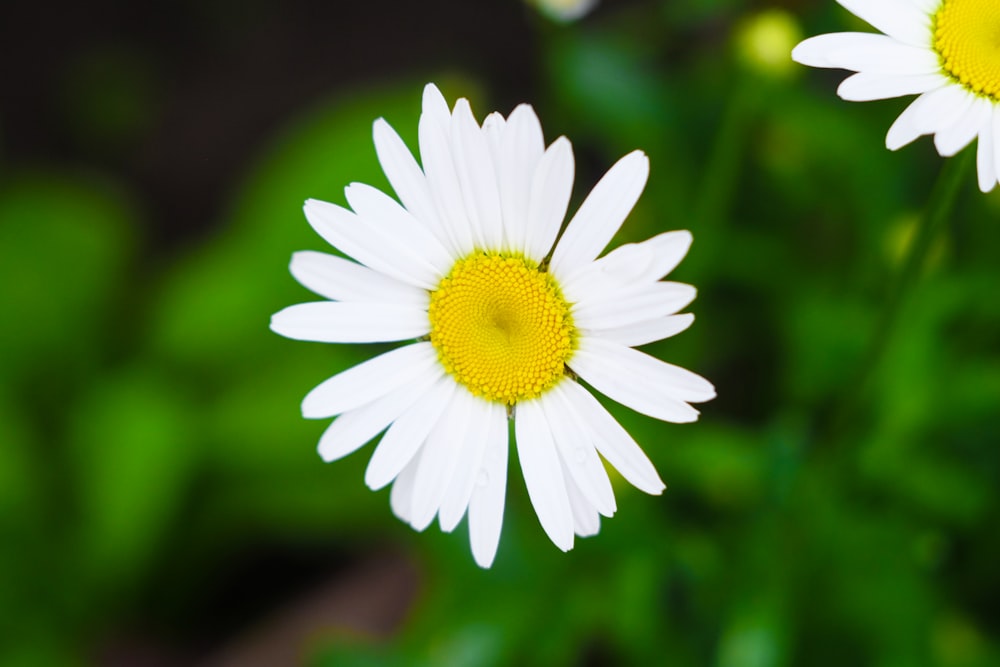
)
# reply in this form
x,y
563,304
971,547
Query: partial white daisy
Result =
x,y
565,10
501,325
945,51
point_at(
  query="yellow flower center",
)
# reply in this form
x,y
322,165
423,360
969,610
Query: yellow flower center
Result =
x,y
967,37
501,327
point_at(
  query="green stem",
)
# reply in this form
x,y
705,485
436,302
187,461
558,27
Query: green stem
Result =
x,y
932,221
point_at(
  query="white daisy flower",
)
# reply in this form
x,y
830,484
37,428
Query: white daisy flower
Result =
x,y
504,323
945,51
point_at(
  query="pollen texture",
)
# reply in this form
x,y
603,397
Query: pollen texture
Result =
x,y
967,37
501,327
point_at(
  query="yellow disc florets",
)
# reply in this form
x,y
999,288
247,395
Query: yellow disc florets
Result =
x,y
501,327
967,37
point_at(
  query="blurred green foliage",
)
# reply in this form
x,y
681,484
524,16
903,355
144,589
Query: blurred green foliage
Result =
x,y
151,435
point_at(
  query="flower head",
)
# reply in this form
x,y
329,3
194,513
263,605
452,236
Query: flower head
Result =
x,y
945,51
502,320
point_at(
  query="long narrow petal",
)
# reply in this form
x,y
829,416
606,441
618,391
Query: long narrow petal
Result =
x,y
434,131
369,380
641,382
520,152
351,322
868,86
543,474
865,52
963,129
477,176
577,452
345,231
986,157
586,519
903,131
407,434
489,423
439,458
939,108
407,178
641,333
351,430
401,495
897,18
551,188
399,229
341,279
487,501
633,306
613,442
602,213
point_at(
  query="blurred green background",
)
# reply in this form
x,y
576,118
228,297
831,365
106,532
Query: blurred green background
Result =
x,y
161,500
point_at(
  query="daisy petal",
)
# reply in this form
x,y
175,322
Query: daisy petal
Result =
x,y
543,474
340,279
602,213
489,424
963,129
353,429
986,157
434,131
867,86
345,231
641,333
903,130
897,18
474,164
941,107
551,188
439,458
641,382
630,307
612,441
399,229
520,152
407,434
487,501
367,381
406,178
586,520
351,322
401,495
865,52
578,455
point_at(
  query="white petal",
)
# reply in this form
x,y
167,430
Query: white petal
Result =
x,y
896,18
626,307
995,113
903,131
369,380
406,435
354,428
613,442
963,129
489,423
351,322
576,449
586,519
435,150
345,231
476,174
639,381
406,178
343,280
487,501
940,108
866,86
866,52
602,213
439,458
520,152
634,335
401,495
986,157
551,187
400,230
622,268
543,474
